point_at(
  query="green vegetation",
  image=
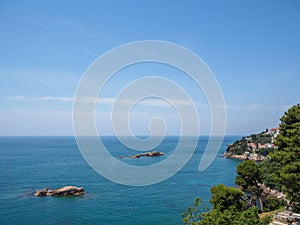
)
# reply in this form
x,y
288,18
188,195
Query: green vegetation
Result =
x,y
228,207
248,179
239,147
281,171
265,151
224,198
269,170
263,137
272,203
261,142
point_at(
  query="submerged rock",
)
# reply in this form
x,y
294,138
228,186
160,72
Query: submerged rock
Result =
x,y
63,191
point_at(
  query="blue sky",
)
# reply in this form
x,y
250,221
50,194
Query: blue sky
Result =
x,y
251,46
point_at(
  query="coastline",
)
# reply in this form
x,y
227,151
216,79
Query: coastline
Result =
x,y
245,156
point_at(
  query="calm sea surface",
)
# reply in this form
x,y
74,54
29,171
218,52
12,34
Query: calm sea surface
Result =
x,y
30,163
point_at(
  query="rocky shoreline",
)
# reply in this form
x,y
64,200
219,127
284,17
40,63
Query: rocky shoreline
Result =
x,y
245,156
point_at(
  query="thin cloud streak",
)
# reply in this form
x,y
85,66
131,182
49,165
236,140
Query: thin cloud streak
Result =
x,y
256,107
145,102
39,99
105,101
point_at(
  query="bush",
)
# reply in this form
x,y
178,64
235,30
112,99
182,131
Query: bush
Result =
x,y
273,203
265,151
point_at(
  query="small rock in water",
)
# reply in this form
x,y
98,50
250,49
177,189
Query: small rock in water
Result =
x,y
147,154
42,192
63,191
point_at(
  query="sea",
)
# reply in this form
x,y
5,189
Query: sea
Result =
x,y
31,163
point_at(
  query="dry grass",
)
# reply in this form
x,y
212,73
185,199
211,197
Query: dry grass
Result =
x,y
272,213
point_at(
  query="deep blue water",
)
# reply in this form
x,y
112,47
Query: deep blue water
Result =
x,y
30,163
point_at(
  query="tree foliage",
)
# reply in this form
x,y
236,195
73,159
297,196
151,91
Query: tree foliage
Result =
x,y
281,171
284,165
273,203
227,208
248,179
239,147
194,213
224,198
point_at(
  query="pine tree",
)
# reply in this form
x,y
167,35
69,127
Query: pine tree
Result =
x,y
287,156
248,179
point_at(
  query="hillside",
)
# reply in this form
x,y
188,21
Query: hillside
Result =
x,y
254,147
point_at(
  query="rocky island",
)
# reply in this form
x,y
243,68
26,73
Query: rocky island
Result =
x,y
145,154
63,191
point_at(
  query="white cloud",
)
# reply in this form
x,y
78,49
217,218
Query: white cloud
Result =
x,y
155,102
15,98
107,101
256,107
59,122
39,99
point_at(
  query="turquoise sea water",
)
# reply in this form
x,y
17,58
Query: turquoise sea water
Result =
x,y
30,163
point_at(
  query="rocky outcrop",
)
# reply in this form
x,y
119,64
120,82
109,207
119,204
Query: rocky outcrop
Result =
x,y
63,191
267,191
245,156
145,154
234,156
